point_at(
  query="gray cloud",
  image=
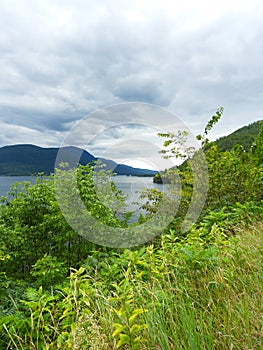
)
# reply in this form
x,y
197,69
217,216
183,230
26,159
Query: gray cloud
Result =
x,y
62,60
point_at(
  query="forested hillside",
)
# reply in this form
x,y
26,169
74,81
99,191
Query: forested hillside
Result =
x,y
244,137
200,289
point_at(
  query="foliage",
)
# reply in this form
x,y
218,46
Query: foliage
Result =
x,y
46,320
257,148
201,291
234,175
127,329
244,136
215,118
48,271
32,225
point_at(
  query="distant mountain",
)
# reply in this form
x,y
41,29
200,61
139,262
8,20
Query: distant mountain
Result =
x,y
22,160
244,136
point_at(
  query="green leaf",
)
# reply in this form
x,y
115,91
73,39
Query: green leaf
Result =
x,y
138,328
118,329
124,339
135,314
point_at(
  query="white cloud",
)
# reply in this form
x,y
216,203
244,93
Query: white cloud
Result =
x,y
20,134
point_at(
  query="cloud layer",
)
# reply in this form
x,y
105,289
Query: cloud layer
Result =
x,y
62,60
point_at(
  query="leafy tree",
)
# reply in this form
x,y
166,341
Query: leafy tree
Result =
x,y
32,225
235,175
257,148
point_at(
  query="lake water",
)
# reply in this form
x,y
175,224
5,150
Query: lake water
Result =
x,y
131,186
7,181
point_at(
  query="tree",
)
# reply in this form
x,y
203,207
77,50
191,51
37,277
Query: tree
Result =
x,y
32,225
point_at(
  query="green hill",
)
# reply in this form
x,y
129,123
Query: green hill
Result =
x,y
244,136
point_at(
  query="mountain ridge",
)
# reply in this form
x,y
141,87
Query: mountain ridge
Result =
x,y
29,159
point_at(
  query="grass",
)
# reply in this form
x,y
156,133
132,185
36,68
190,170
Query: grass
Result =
x,y
214,305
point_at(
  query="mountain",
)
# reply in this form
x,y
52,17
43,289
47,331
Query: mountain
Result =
x,y
23,160
244,136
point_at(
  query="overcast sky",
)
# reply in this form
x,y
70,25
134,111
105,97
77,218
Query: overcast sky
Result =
x,y
62,60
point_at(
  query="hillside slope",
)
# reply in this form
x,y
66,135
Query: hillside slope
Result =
x,y
244,136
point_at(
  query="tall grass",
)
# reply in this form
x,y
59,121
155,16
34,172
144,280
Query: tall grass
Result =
x,y
216,304
218,307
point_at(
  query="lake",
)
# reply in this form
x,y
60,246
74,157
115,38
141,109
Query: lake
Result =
x,y
131,186
7,181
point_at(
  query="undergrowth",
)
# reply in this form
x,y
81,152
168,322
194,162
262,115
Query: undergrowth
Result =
x,y
203,291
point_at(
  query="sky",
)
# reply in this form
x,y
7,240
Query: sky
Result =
x,y
65,61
